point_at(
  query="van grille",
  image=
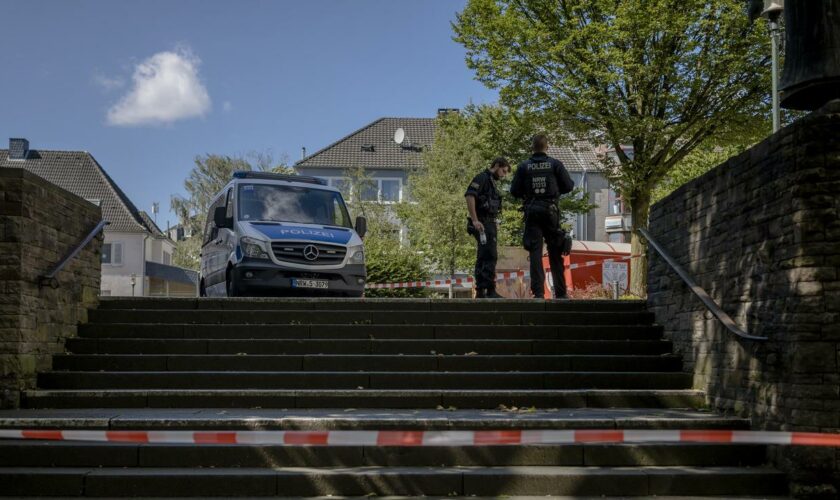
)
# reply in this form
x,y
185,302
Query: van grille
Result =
x,y
292,251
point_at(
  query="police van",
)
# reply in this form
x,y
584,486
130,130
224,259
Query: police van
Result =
x,y
273,234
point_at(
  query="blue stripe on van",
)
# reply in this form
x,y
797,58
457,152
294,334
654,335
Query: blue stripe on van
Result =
x,y
277,232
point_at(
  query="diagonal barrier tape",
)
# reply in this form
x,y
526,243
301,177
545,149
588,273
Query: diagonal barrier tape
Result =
x,y
507,437
499,276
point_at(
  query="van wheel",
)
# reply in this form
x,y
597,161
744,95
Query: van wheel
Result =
x,y
230,284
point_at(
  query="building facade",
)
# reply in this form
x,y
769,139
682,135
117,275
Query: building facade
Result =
x,y
387,165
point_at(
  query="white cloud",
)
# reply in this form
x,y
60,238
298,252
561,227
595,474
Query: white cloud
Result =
x,y
166,88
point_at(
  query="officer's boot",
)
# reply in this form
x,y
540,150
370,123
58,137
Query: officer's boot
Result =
x,y
492,294
480,293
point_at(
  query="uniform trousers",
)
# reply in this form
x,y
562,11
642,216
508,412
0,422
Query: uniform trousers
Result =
x,y
539,227
486,256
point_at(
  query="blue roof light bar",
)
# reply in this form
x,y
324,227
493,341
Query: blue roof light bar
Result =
x,y
246,174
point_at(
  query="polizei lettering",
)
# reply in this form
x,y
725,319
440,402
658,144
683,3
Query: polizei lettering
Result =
x,y
306,232
540,166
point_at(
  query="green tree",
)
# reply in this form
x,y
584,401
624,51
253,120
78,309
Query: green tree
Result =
x,y
208,176
662,76
435,216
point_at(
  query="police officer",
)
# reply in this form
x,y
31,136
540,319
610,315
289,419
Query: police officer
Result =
x,y
484,204
539,181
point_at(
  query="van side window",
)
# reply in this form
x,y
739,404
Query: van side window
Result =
x,y
229,203
209,225
338,215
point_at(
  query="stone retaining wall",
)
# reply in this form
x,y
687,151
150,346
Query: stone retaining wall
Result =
x,y
761,233
39,224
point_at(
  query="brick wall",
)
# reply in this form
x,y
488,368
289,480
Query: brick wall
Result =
x,y
761,233
39,224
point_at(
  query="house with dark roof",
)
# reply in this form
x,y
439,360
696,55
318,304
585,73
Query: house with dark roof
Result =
x,y
373,149
136,254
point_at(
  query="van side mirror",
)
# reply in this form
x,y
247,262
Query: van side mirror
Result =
x,y
220,217
361,226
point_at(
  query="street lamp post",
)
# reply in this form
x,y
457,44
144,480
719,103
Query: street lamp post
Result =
x,y
773,11
133,282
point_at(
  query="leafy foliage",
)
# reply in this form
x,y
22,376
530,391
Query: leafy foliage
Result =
x,y
663,76
697,163
390,262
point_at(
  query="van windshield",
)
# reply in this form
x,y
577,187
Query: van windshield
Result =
x,y
273,203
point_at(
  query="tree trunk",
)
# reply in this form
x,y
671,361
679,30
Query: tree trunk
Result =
x,y
640,209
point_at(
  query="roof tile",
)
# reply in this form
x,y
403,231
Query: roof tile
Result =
x,y
80,173
353,151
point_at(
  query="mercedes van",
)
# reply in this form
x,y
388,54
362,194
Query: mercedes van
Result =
x,y
274,234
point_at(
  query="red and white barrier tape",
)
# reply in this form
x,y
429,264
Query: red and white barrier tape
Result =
x,y
591,263
499,276
430,438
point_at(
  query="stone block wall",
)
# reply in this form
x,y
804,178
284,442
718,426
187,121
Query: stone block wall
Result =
x,y
761,234
39,224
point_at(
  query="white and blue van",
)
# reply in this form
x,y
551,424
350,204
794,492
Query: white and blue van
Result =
x,y
274,234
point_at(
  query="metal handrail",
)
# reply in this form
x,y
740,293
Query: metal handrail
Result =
x,y
704,297
50,279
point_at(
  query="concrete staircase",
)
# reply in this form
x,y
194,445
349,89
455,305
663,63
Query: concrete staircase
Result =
x,y
181,364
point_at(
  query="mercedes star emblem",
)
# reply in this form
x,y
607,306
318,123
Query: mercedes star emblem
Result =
x,y
310,252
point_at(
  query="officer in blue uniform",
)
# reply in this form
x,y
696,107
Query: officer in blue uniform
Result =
x,y
539,181
484,204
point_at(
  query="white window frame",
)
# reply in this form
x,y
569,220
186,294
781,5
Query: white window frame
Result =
x,y
116,254
379,189
332,180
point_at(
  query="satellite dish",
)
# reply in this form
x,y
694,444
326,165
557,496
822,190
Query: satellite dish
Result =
x,y
399,136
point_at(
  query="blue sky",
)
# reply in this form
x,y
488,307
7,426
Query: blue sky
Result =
x,y
147,85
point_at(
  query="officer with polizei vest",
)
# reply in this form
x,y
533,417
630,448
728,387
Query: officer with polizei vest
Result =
x,y
539,181
484,204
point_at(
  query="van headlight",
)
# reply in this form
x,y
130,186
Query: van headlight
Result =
x,y
357,254
252,247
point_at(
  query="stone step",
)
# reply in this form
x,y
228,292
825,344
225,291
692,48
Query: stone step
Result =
x,y
363,380
368,346
388,317
75,454
232,331
366,362
360,419
403,399
488,481
327,303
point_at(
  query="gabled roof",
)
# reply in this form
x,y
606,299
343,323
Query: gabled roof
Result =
x,y
354,150
80,173
153,228
171,273
348,151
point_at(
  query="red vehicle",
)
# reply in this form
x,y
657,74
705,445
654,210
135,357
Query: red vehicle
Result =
x,y
585,265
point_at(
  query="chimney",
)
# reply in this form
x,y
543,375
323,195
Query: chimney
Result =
x,y
303,152
18,149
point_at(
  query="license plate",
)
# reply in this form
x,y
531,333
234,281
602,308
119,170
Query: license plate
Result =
x,y
310,284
